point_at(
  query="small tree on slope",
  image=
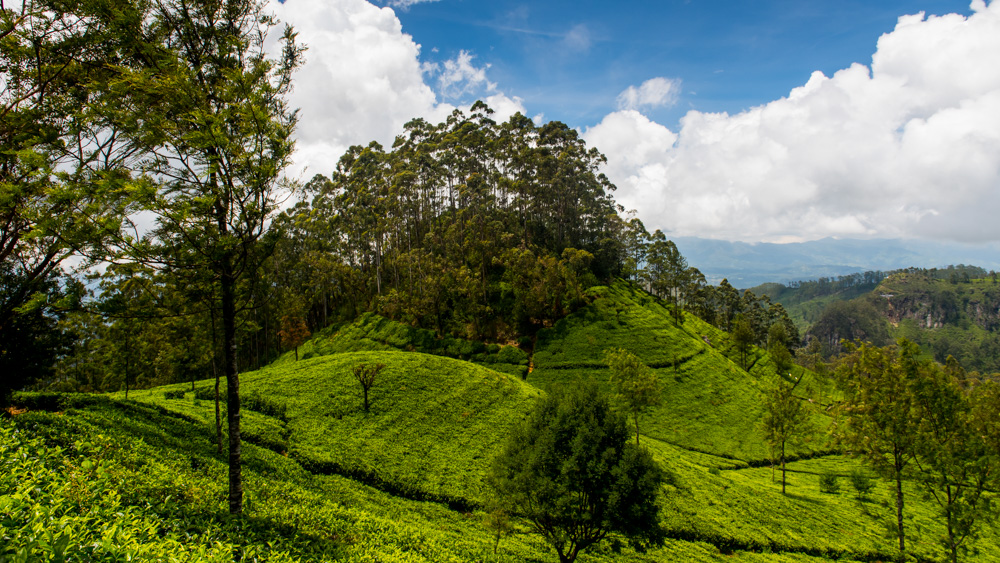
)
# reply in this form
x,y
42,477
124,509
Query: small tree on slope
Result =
x,y
636,385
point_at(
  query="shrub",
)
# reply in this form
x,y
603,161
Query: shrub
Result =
x,y
174,394
828,483
257,402
862,483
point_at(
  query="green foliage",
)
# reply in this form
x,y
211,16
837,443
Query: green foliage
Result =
x,y
570,470
713,405
433,427
636,386
861,483
829,483
785,420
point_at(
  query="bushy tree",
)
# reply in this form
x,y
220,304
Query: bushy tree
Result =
x,y
572,472
743,338
293,333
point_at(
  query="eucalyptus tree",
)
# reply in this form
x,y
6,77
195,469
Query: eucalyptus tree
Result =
x,y
212,114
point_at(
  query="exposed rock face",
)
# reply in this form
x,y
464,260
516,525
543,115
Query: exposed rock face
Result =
x,y
935,303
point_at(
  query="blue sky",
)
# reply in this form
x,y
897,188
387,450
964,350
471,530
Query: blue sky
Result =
x,y
570,60
752,121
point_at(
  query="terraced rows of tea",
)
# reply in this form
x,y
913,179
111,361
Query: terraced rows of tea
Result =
x,y
403,482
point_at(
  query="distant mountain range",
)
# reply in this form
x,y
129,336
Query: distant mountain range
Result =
x,y
750,264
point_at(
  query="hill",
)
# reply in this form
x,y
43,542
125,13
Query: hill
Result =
x,y
950,311
325,481
433,425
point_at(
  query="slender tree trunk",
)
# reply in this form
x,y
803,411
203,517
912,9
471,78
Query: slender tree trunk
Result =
x,y
215,373
952,544
898,466
636,417
228,283
782,467
127,353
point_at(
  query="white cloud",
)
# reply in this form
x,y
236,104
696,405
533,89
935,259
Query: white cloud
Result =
x,y
363,80
909,147
404,4
655,92
578,38
459,77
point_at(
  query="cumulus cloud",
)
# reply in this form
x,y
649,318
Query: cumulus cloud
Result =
x,y
655,92
363,79
907,147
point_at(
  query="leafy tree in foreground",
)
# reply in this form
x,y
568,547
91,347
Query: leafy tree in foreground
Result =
x,y
216,129
635,384
877,419
572,472
785,419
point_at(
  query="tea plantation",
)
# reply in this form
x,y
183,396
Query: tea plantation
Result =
x,y
102,478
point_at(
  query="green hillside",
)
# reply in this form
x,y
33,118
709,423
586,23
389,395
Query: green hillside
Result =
x,y
433,426
945,311
710,404
326,481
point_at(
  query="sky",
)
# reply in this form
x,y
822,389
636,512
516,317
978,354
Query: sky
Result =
x,y
781,121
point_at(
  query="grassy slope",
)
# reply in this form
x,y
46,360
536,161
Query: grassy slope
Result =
x,y
126,479
710,404
432,429
434,425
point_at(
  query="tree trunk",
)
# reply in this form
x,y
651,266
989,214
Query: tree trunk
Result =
x,y
636,417
952,544
782,467
215,373
228,283
898,466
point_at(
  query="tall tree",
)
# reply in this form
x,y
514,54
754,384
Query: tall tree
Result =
x,y
62,162
636,386
785,419
956,463
743,338
213,116
876,418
